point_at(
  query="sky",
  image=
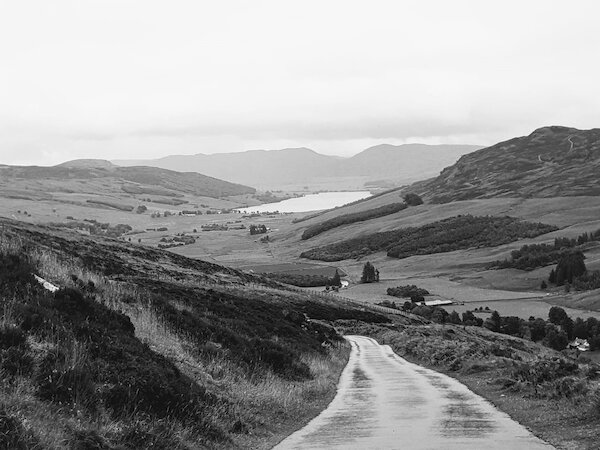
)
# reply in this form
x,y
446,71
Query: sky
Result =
x,y
145,79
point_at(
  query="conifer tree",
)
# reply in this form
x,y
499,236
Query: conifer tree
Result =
x,y
336,281
368,273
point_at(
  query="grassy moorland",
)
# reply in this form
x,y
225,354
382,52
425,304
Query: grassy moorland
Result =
x,y
442,236
550,162
553,395
144,348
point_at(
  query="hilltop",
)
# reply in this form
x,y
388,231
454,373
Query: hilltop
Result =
x,y
378,165
550,162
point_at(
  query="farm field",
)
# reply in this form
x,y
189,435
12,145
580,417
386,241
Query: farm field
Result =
x,y
460,276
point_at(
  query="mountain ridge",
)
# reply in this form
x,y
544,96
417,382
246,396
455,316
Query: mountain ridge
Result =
x,y
401,163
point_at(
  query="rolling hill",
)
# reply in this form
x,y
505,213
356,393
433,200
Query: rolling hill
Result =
x,y
552,161
302,166
99,182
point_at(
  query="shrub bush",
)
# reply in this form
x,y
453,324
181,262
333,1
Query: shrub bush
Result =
x,y
143,434
13,435
568,387
413,199
11,336
544,370
16,361
407,291
58,382
16,273
85,439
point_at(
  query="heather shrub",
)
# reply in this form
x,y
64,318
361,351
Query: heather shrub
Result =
x,y
13,435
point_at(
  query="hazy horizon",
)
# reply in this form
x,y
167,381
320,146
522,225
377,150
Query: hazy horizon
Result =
x,y
225,152
143,80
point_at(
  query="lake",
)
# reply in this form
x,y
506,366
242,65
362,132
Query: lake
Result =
x,y
312,202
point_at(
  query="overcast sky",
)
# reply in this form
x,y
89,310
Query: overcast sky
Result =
x,y
144,79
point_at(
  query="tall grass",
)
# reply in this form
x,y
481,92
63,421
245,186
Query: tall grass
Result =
x,y
60,409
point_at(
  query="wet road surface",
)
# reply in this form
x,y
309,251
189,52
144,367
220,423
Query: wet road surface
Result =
x,y
385,402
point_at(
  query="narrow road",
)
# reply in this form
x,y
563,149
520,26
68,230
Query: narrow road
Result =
x,y
385,402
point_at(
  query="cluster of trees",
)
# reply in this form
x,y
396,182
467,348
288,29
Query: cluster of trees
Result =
x,y
270,197
446,235
540,255
346,219
157,214
176,241
410,199
303,280
97,228
415,293
114,205
413,199
258,229
300,280
572,272
555,332
587,281
369,274
569,267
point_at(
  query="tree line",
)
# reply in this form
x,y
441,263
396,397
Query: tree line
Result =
x,y
556,332
347,219
415,293
539,255
304,280
410,199
258,229
454,233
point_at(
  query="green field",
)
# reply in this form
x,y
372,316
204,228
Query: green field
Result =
x,y
459,275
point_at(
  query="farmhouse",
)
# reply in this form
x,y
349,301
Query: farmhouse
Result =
x,y
437,302
580,344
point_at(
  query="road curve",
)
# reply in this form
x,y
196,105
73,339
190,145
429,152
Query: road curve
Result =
x,y
385,402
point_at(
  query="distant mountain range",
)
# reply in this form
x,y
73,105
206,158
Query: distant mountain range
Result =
x,y
551,162
76,181
302,166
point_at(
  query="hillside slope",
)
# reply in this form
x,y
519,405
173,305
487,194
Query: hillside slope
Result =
x,y
141,348
409,162
550,162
